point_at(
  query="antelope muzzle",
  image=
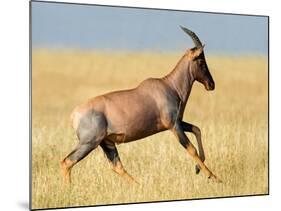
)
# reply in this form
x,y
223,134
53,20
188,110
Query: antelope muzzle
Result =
x,y
209,84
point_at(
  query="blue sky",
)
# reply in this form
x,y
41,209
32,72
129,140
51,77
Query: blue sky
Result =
x,y
56,25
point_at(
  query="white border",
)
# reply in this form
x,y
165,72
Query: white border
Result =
x,y
14,61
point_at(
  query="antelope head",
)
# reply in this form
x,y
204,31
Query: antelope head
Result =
x,y
198,66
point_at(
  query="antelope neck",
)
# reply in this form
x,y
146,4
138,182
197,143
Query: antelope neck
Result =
x,y
180,79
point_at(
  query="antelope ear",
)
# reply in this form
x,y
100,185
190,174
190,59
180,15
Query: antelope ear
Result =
x,y
197,51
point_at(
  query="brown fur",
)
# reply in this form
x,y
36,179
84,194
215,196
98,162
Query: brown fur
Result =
x,y
155,105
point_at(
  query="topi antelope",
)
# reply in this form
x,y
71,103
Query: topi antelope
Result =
x,y
156,105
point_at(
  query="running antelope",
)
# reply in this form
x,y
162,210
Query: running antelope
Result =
x,y
155,105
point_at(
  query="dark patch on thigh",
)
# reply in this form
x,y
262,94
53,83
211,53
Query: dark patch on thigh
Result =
x,y
92,127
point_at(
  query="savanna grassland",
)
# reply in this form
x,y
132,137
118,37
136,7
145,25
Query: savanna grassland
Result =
x,y
233,121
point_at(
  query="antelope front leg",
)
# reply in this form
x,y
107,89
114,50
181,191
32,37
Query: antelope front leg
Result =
x,y
196,131
179,133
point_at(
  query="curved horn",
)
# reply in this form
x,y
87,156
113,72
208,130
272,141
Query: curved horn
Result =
x,y
194,37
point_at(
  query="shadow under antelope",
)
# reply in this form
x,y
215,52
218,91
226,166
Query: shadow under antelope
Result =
x,y
155,105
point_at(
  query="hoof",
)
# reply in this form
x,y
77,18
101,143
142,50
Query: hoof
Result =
x,y
197,169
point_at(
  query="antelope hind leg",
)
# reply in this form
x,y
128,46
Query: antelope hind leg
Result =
x,y
112,155
91,131
66,165
80,152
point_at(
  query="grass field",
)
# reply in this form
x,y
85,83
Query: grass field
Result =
x,y
233,120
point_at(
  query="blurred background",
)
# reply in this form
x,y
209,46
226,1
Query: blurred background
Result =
x,y
115,28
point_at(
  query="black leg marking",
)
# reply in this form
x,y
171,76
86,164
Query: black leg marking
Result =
x,y
196,131
111,153
179,133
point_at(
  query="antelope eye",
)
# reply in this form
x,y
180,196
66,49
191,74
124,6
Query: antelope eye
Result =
x,y
201,62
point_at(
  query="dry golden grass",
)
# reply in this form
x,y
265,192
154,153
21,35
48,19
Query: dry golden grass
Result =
x,y
233,120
